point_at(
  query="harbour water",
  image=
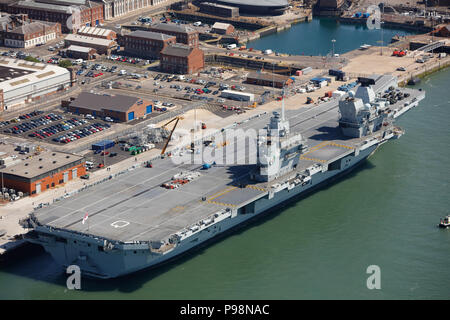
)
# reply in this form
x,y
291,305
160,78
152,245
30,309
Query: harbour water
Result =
x,y
314,38
384,213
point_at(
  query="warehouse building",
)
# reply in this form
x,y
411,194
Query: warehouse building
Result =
x,y
184,34
222,28
219,9
102,46
23,81
268,79
118,107
178,58
42,172
96,32
145,44
77,52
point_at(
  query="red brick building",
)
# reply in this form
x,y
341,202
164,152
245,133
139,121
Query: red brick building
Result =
x,y
118,107
145,44
43,172
91,13
178,58
184,34
222,28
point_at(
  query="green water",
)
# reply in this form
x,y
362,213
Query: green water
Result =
x,y
384,213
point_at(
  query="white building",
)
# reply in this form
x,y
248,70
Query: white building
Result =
x,y
23,81
118,8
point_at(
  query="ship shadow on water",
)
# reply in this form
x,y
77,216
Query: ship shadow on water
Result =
x,y
33,262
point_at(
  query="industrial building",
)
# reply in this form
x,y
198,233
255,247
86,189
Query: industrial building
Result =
x,y
268,79
145,44
23,33
178,58
219,9
102,46
42,172
96,32
222,28
61,11
184,34
118,107
23,81
77,52
258,7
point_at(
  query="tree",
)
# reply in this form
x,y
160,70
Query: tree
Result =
x,y
32,59
65,63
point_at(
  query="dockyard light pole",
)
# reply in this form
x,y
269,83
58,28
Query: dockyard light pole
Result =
x,y
333,41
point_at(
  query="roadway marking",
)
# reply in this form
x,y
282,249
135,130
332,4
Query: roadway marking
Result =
x,y
319,146
222,204
313,159
256,188
221,193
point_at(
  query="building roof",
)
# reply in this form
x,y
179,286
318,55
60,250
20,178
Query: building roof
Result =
x,y
44,163
149,35
211,4
221,25
100,102
89,40
32,27
257,3
177,50
15,73
95,31
79,48
267,76
47,6
171,27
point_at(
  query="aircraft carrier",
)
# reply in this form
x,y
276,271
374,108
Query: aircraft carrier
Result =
x,y
149,215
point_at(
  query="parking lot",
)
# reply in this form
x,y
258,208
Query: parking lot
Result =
x,y
53,127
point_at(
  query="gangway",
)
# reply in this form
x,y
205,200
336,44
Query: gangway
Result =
x,y
431,46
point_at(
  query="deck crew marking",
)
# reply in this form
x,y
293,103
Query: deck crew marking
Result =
x,y
119,224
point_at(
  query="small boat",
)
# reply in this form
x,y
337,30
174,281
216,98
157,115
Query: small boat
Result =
x,y
445,223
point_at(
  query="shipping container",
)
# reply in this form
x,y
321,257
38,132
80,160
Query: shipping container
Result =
x,y
306,70
235,95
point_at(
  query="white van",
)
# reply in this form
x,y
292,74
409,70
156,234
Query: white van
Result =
x,y
268,51
231,46
79,61
122,72
197,24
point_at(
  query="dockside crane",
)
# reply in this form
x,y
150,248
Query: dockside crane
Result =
x,y
176,119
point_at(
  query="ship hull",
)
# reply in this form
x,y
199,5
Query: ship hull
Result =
x,y
69,249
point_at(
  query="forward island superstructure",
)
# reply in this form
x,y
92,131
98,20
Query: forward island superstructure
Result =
x,y
136,224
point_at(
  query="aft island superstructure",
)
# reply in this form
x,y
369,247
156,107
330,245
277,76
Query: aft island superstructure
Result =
x,y
135,223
